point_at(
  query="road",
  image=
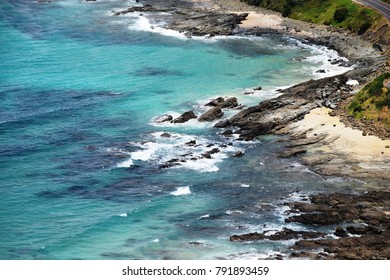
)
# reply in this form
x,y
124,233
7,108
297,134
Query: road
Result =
x,y
382,7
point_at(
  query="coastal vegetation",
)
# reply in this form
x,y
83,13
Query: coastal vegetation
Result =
x,y
373,101
338,13
372,104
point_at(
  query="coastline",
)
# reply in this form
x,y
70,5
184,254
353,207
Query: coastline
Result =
x,y
343,151
313,132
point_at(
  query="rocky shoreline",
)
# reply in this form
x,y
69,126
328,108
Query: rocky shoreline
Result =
x,y
357,228
361,222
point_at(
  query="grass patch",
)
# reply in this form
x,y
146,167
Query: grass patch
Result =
x,y
338,13
373,101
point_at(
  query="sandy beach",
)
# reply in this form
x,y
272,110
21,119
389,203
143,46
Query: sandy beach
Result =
x,y
342,150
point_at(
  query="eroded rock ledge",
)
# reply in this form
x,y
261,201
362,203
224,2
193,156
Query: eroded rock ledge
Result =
x,y
295,102
360,222
190,21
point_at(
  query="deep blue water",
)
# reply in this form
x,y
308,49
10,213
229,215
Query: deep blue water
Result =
x,y
80,151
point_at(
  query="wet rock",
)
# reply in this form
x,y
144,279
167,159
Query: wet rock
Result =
x,y
216,102
185,117
291,152
227,133
168,165
165,135
284,234
164,118
211,115
191,143
292,105
340,232
229,103
370,234
257,88
222,124
209,153
239,154
145,8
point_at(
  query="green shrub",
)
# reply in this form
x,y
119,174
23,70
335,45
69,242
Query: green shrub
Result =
x,y
340,14
375,88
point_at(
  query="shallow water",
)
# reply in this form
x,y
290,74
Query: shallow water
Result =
x,y
80,149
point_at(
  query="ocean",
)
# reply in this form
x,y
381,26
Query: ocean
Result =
x,y
81,148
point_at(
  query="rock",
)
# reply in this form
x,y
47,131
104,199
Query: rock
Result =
x,y
291,152
211,115
230,103
284,234
145,8
387,146
368,211
377,47
185,117
209,153
164,118
340,232
257,88
248,92
191,143
222,124
165,135
239,154
321,71
227,133
223,103
168,165
216,102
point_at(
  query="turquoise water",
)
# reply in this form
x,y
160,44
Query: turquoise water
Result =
x,y
80,151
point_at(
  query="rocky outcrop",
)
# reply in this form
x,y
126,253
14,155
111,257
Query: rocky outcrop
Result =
x,y
360,222
191,21
284,234
211,115
292,105
230,102
367,236
185,117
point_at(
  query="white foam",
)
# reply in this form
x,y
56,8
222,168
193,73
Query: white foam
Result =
x,y
324,56
204,217
124,215
352,82
233,212
142,23
202,165
181,191
147,152
244,186
191,124
125,164
161,150
156,240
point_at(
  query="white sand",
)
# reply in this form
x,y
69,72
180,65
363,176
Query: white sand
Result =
x,y
343,140
255,19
